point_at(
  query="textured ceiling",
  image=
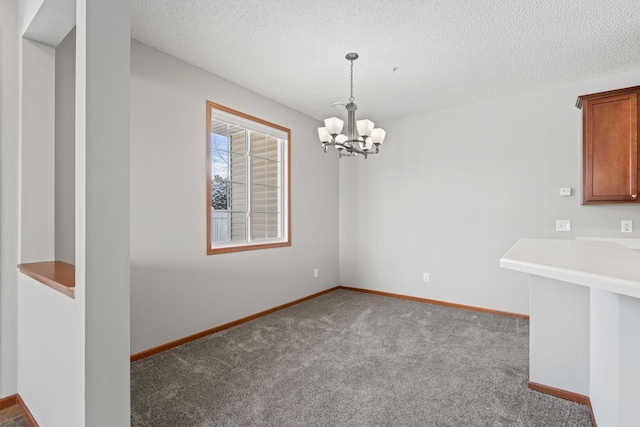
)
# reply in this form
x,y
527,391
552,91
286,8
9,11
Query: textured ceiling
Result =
x,y
447,52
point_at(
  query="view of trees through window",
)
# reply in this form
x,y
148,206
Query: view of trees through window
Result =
x,y
220,146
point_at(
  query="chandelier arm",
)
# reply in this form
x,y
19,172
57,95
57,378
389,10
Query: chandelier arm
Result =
x,y
339,144
376,151
347,154
357,150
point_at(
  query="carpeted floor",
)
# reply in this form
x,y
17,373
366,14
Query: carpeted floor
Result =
x,y
351,359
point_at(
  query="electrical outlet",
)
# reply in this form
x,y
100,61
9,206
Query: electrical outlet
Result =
x,y
425,277
565,191
563,225
626,226
315,273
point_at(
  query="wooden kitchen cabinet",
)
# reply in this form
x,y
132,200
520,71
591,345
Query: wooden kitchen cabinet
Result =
x,y
610,146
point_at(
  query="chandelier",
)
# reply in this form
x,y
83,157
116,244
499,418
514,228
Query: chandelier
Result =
x,y
354,142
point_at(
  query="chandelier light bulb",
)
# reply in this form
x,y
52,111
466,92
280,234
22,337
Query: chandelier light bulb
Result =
x,y
365,127
366,145
324,135
341,139
334,125
369,144
377,136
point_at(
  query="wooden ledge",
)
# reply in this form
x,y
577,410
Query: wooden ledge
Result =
x,y
55,274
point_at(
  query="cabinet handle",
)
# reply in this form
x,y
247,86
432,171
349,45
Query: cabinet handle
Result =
x,y
634,195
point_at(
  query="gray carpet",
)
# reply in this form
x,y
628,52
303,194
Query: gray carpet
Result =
x,y
351,359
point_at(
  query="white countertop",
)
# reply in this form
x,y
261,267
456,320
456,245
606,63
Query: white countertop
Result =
x,y
597,264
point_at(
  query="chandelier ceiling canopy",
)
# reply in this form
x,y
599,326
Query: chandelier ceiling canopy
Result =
x,y
361,137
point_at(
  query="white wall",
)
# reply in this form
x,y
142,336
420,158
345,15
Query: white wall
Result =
x,y
51,354
37,172
615,351
604,387
176,289
73,354
559,334
454,189
51,362
65,141
629,356
8,196
48,21
28,10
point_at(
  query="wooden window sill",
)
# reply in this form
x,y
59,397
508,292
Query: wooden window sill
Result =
x,y
58,275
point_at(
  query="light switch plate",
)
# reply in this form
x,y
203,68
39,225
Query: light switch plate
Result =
x,y
563,225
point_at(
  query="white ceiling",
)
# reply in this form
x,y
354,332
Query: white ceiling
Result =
x,y
447,52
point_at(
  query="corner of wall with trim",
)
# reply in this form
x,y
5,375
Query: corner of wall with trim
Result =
x,y
8,196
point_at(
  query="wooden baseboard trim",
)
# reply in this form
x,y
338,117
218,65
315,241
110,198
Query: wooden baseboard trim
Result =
x,y
8,402
28,416
562,394
436,302
593,416
16,400
566,395
176,343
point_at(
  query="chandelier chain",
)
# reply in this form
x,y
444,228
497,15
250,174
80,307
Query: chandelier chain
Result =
x,y
351,98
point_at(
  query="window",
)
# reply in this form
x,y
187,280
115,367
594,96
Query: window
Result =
x,y
248,195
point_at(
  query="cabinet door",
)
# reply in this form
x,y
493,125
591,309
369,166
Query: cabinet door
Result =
x,y
610,150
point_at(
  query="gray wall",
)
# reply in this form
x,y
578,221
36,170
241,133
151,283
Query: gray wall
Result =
x,y
176,289
8,196
454,189
37,152
65,149
102,215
